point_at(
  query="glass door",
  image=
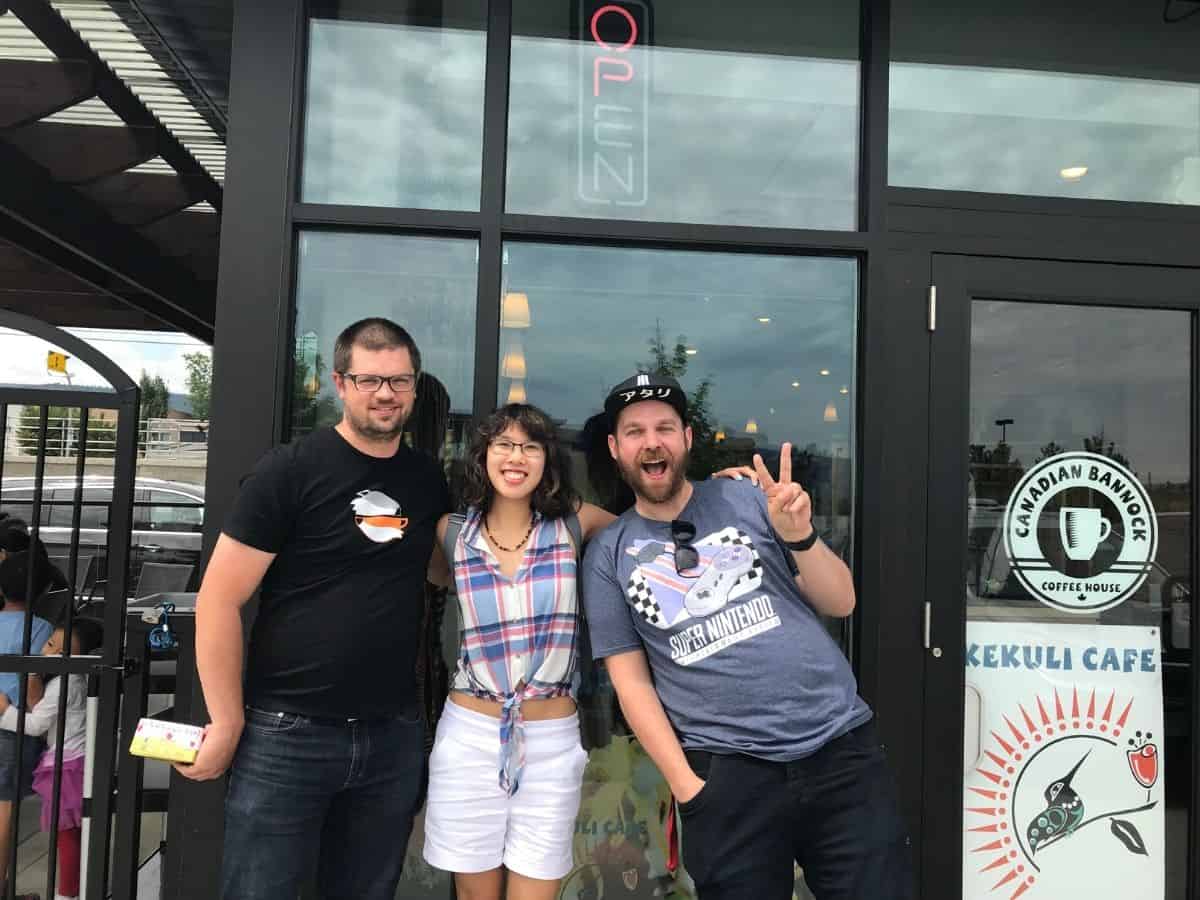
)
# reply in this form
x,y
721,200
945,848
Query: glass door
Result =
x,y
1060,580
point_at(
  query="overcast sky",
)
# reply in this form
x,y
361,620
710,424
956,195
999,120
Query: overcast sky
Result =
x,y
23,358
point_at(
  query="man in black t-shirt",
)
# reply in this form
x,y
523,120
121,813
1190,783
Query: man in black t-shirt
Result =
x,y
325,740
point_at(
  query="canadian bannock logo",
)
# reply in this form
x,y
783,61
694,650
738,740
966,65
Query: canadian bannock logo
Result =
x,y
1080,532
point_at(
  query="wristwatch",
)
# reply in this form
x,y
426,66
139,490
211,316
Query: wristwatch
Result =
x,y
806,544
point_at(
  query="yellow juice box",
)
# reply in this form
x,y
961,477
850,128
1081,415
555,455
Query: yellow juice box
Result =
x,y
169,741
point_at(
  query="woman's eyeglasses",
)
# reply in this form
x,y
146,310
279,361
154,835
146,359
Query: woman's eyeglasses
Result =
x,y
505,447
686,556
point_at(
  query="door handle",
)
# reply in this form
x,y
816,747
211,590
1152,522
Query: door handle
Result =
x,y
151,548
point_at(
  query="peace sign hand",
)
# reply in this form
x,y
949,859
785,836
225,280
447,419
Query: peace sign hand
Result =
x,y
787,502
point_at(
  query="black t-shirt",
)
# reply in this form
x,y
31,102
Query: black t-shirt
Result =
x,y
342,603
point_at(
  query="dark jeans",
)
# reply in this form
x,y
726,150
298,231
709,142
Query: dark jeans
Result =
x,y
337,798
834,813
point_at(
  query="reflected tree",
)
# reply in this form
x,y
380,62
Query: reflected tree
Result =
x,y
1051,449
1097,444
708,454
310,408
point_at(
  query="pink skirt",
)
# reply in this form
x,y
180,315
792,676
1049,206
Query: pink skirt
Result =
x,y
70,802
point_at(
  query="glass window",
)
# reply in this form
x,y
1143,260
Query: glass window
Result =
x,y
394,104
736,114
425,284
1080,541
169,511
1051,99
765,347
18,504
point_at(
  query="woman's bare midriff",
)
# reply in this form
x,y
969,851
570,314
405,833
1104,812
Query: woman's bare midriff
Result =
x,y
534,709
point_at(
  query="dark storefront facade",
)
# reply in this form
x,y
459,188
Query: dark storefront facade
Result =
x,y
951,253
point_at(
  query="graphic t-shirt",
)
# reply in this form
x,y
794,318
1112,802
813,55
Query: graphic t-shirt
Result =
x,y
342,603
741,661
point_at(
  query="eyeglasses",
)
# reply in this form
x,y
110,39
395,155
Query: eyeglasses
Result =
x,y
686,556
505,447
401,384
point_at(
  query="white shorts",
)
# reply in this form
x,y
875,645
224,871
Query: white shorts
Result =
x,y
471,825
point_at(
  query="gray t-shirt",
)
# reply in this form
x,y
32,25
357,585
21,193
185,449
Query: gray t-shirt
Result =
x,y
740,659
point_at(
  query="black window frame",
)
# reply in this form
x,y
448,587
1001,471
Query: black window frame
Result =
x,y
900,232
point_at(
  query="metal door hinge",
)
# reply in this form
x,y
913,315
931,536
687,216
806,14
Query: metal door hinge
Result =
x,y
936,651
933,307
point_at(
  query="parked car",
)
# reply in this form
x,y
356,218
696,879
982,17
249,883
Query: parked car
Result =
x,y
168,518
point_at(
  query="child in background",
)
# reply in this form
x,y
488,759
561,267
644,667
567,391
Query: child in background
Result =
x,y
87,635
14,585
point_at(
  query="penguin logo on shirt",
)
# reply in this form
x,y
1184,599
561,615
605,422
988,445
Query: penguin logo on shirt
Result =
x,y
378,516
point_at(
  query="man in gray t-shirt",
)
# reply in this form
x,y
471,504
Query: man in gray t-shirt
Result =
x,y
703,600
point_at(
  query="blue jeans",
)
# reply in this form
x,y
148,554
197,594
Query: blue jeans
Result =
x,y
334,799
834,813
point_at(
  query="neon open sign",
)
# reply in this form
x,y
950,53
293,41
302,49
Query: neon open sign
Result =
x,y
614,102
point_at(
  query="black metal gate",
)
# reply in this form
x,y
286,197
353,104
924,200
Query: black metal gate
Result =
x,y
91,585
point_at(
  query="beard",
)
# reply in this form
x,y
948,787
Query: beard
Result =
x,y
661,491
362,425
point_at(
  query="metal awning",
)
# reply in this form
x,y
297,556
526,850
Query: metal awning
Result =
x,y
114,154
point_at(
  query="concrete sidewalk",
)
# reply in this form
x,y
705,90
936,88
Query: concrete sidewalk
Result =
x,y
33,845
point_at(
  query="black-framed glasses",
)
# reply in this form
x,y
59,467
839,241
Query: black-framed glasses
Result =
x,y
401,384
682,535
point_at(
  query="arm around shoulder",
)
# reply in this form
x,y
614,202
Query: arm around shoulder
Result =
x,y
439,566
593,519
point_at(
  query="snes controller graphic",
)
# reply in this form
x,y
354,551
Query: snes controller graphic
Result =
x,y
711,590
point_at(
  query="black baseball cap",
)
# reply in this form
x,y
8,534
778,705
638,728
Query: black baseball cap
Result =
x,y
641,387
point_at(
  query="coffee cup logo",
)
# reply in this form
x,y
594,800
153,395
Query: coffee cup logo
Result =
x,y
1082,529
1114,549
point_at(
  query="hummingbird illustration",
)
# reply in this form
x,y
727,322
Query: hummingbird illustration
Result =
x,y
1063,812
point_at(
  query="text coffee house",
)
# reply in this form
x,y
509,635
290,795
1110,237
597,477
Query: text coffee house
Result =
x,y
951,252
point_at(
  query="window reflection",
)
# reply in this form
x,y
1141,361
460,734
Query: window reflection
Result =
x,y
764,345
1047,379
671,111
394,105
990,103
425,284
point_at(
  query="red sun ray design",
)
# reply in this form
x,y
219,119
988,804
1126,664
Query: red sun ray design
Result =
x,y
1008,748
994,780
1107,716
1124,716
996,863
1012,873
1029,726
1042,712
1013,728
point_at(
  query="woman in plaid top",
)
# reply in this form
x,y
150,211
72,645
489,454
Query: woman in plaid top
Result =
x,y
507,765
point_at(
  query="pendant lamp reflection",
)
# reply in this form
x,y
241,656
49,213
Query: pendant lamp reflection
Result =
x,y
514,311
516,392
752,426
513,365
831,414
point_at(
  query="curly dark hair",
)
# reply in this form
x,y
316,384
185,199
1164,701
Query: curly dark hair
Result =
x,y
555,495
